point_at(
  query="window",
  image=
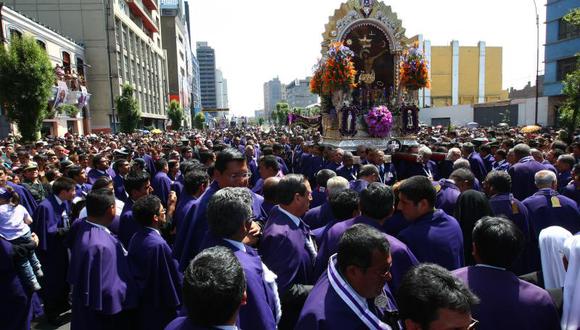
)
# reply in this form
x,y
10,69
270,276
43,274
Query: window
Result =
x,y
80,67
41,44
66,62
15,33
567,30
564,67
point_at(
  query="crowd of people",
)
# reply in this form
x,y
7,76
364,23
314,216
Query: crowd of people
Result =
x,y
256,228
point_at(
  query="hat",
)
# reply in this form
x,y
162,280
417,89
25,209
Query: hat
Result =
x,y
30,166
66,163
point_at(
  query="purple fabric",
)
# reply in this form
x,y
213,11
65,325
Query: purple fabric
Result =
x,y
359,185
127,225
119,187
26,198
395,224
183,205
258,186
182,230
178,187
522,174
331,165
508,302
319,197
16,302
94,174
403,258
158,279
100,276
502,165
447,195
488,162
348,173
150,163
259,312
543,214
161,184
282,164
387,174
284,251
477,166
319,216
411,169
572,191
435,237
253,167
82,190
184,323
549,166
564,179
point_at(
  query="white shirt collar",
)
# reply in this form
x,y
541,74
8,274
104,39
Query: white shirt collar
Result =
x,y
238,245
154,229
99,226
226,327
58,200
292,217
490,266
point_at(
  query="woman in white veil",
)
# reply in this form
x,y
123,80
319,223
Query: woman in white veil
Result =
x,y
571,313
551,250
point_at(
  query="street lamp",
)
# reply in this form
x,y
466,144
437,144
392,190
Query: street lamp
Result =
x,y
537,58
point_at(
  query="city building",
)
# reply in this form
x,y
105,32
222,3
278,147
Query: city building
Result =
x,y
273,91
68,59
562,44
195,88
462,74
207,79
221,86
175,40
122,45
299,95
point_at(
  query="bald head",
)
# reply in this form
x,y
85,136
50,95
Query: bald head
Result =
x,y
269,189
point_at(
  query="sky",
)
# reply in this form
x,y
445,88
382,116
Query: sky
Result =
x,y
257,40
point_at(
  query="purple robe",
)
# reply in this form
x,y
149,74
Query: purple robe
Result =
x,y
319,216
94,174
26,198
319,197
508,302
403,258
572,191
324,309
387,174
182,230
359,185
477,166
488,161
52,253
447,195
150,164
331,166
102,283
394,224
259,312
549,166
564,179
522,173
16,302
183,205
435,237
158,279
178,187
127,225
253,168
267,207
284,251
257,188
161,184
349,173
81,190
544,214
502,165
184,323
282,164
119,188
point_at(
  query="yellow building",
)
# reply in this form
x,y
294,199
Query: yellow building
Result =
x,y
462,75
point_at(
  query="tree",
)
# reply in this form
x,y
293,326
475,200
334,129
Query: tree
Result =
x,y
129,113
570,110
175,114
280,115
199,120
26,80
260,121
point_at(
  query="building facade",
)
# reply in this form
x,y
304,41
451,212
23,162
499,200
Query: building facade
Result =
x,y
221,87
195,88
562,44
273,93
68,59
207,79
462,74
122,46
299,95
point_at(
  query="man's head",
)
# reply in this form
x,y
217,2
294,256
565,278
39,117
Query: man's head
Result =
x,y
537,154
496,242
30,172
294,194
521,150
376,201
137,185
500,155
416,197
269,189
364,260
100,204
497,182
101,162
453,154
230,169
323,176
467,149
369,173
565,163
195,182
424,154
463,179
214,287
78,174
122,167
229,213
431,298
545,179
336,184
64,188
268,166
149,212
347,159
485,150
344,204
376,157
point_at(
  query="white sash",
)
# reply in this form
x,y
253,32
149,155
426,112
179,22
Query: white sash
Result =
x,y
346,293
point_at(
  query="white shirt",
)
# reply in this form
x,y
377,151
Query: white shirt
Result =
x,y
12,223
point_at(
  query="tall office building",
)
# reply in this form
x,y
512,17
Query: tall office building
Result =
x,y
273,91
221,90
122,45
299,95
195,88
207,79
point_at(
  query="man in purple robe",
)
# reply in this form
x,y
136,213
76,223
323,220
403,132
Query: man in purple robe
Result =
x,y
548,208
321,215
196,182
523,172
475,162
497,243
214,290
368,174
447,194
153,267
564,164
424,165
572,190
333,158
487,157
229,219
161,182
352,293
433,236
51,224
287,247
269,193
103,290
501,164
137,185
320,195
100,167
82,188
268,167
348,169
343,206
376,205
121,168
387,171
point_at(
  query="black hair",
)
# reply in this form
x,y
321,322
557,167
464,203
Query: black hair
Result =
x,y
213,287
271,162
193,180
323,176
501,181
97,159
426,289
558,144
417,188
102,182
160,164
205,156
270,191
368,170
356,247
289,186
376,201
145,208
343,204
98,202
226,156
135,181
74,171
498,241
502,153
62,184
172,164
462,174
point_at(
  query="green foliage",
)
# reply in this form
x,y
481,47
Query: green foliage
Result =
x,y
69,109
307,112
260,121
199,120
570,110
280,115
573,17
128,109
175,114
26,80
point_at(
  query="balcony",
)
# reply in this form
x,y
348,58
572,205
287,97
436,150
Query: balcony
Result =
x,y
136,7
150,4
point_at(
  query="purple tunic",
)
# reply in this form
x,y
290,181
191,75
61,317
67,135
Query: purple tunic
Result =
x,y
359,185
435,237
184,323
403,258
477,166
522,173
119,187
348,173
508,302
447,195
81,190
26,198
319,197
395,224
102,284
572,191
161,184
284,251
16,302
543,213
319,216
94,174
127,225
183,205
158,279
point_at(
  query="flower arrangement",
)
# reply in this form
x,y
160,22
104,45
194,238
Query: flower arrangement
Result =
x,y
335,72
379,121
414,69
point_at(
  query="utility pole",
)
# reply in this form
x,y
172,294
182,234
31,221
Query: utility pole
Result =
x,y
537,58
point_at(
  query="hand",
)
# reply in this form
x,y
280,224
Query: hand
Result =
x,y
255,230
172,199
35,239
